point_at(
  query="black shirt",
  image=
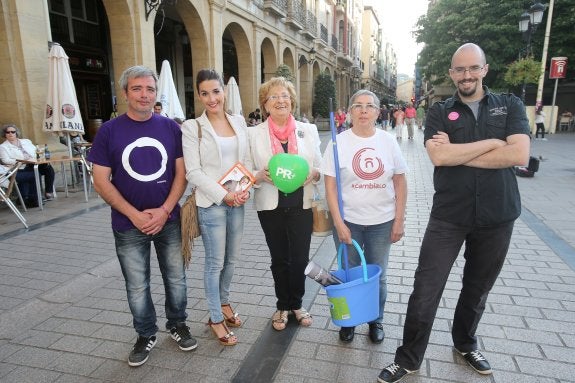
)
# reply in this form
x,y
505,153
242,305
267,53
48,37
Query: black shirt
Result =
x,y
473,196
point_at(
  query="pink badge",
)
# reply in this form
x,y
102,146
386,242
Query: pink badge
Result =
x,y
453,116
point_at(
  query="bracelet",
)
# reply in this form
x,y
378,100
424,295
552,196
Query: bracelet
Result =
x,y
166,211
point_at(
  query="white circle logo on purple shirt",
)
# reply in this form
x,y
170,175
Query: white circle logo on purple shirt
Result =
x,y
140,143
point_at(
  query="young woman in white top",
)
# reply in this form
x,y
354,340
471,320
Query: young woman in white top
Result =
x,y
222,143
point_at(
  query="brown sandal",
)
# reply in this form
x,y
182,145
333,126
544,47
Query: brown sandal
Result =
x,y
279,320
303,317
229,339
232,317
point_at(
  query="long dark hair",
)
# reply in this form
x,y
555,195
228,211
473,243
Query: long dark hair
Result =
x,y
206,75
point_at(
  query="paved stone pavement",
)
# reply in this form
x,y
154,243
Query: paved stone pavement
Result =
x,y
64,315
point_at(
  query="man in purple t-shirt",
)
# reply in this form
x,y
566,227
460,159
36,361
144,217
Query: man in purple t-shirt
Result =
x,y
138,169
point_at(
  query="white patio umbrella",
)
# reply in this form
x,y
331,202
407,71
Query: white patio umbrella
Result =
x,y
233,99
62,110
167,93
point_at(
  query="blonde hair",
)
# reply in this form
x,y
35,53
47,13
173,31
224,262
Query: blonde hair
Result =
x,y
271,83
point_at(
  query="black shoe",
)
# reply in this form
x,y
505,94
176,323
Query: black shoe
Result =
x,y
181,334
393,373
376,333
31,202
477,361
346,334
141,350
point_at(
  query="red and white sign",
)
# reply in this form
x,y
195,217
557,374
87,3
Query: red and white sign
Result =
x,y
558,67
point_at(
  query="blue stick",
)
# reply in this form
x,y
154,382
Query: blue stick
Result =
x,y
337,178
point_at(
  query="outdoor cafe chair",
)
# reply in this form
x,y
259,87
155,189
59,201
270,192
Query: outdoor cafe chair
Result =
x,y
7,184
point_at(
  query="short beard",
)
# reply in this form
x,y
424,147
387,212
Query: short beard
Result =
x,y
468,93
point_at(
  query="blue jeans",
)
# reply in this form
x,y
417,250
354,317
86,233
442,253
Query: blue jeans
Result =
x,y
375,240
133,250
222,230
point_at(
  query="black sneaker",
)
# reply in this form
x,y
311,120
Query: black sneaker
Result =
x,y
393,373
181,334
477,361
141,351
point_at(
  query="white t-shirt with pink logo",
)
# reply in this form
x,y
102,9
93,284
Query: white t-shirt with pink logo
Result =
x,y
367,166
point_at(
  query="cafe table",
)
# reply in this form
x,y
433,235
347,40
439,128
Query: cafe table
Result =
x,y
63,160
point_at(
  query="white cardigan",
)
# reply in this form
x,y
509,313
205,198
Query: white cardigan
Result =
x,y
203,157
10,153
259,142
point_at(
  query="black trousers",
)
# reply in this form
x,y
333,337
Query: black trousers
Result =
x,y
45,170
485,252
288,235
540,128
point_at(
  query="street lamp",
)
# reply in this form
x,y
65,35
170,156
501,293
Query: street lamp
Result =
x,y
528,23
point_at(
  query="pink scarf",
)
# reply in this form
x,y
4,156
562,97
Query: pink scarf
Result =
x,y
278,134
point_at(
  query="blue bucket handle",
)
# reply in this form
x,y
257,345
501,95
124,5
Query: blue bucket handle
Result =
x,y
359,251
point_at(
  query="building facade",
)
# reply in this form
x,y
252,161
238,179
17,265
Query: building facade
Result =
x,y
246,39
378,60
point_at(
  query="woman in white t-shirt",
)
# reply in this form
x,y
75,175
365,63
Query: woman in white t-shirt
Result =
x,y
374,193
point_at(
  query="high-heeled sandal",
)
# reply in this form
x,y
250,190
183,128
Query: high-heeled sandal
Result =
x,y
279,320
232,318
229,339
303,317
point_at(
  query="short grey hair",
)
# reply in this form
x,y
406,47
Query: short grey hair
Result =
x,y
363,92
10,125
137,72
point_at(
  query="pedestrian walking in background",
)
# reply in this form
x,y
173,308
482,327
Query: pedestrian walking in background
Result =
x,y
384,117
286,218
208,157
340,119
420,116
540,122
473,163
410,114
374,216
138,170
399,117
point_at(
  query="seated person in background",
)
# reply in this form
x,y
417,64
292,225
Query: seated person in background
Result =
x,y
255,117
16,148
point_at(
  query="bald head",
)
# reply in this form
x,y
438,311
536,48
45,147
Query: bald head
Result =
x,y
469,48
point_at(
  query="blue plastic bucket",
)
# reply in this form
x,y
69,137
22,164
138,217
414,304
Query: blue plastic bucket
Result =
x,y
355,301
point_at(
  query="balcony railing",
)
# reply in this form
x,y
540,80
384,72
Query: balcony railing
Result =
x,y
296,16
310,25
259,3
277,7
323,33
334,43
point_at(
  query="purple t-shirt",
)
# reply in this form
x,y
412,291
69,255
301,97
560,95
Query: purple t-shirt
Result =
x,y
142,156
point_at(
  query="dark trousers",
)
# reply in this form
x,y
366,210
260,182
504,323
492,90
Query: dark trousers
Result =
x,y
540,128
485,251
45,170
26,184
288,235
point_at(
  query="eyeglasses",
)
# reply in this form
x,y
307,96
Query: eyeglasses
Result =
x,y
10,132
476,69
362,107
283,97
